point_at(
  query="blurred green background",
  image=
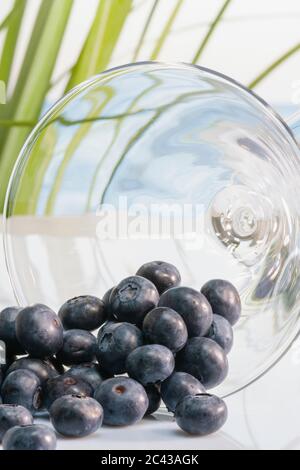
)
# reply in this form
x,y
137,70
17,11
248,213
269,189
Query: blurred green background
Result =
x,y
49,46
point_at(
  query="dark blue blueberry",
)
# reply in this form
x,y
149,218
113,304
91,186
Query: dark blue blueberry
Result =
x,y
154,397
88,372
31,437
78,346
150,364
64,385
124,401
106,297
115,342
22,387
224,299
163,275
76,416
8,330
106,301
40,368
192,306
205,360
132,299
221,332
39,331
178,386
165,326
82,313
201,414
13,415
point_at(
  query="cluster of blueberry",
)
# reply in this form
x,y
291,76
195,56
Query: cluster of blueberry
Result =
x,y
170,341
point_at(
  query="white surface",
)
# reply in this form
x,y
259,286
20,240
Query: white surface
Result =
x,y
264,416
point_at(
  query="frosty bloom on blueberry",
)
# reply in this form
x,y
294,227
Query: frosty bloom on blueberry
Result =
x,y
192,306
31,437
224,299
124,401
132,299
83,313
170,341
39,331
115,342
163,275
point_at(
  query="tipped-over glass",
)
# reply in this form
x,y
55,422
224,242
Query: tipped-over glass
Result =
x,y
163,161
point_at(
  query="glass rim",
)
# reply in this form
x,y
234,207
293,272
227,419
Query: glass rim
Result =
x,y
293,330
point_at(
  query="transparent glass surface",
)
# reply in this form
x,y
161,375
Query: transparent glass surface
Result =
x,y
162,161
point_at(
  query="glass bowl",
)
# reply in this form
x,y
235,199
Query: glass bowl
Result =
x,y
157,161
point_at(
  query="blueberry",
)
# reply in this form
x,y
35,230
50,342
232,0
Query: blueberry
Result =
x,y
106,297
154,397
221,332
40,368
31,437
150,364
163,275
192,306
39,331
22,387
124,401
82,313
78,346
178,386
115,342
205,360
201,414
106,301
76,416
64,385
8,330
224,299
13,415
89,373
132,299
165,326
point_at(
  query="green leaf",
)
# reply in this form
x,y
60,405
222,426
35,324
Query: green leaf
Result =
x,y
164,34
30,184
32,49
264,74
11,123
145,30
100,43
12,25
211,30
7,20
28,103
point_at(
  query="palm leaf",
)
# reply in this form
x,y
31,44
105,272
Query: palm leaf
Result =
x,y
265,73
101,40
165,32
145,30
12,25
29,103
211,30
